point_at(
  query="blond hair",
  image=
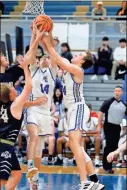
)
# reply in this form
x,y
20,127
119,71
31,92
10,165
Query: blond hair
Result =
x,y
4,93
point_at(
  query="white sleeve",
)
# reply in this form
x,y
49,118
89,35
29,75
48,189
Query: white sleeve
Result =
x,y
124,123
115,54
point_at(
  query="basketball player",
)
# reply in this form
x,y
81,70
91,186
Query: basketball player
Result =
x,y
34,7
11,116
78,112
114,154
39,117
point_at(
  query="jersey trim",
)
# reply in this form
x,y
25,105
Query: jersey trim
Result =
x,y
35,72
51,75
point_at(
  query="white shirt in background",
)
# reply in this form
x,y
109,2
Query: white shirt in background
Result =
x,y
120,54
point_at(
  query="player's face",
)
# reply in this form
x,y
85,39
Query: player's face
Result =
x,y
118,93
3,61
58,93
45,62
13,93
78,59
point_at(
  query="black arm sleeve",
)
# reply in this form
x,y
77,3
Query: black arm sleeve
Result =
x,y
105,106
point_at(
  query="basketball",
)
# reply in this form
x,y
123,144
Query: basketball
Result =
x,y
43,22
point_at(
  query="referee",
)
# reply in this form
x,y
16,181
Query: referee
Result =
x,y
114,110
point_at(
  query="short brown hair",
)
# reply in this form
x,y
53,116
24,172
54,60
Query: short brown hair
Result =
x,y
88,60
4,93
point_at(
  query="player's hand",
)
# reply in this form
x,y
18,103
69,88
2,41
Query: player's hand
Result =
x,y
111,156
39,34
41,100
46,38
23,62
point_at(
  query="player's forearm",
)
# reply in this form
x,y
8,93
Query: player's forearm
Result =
x,y
55,56
29,104
28,79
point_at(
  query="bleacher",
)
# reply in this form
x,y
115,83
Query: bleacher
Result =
x,y
63,7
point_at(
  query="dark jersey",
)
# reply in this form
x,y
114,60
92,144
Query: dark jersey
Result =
x,y
9,126
11,75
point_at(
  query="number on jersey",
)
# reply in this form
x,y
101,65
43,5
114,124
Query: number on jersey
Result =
x,y
45,89
3,114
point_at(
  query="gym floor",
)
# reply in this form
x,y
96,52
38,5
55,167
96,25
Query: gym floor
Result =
x,y
62,178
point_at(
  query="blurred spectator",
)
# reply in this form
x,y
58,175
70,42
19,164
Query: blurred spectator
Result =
x,y
99,10
1,8
122,11
92,113
39,52
104,59
62,140
57,44
119,57
58,101
92,137
59,79
66,51
114,110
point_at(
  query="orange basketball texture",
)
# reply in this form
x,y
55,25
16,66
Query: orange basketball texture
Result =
x,y
44,22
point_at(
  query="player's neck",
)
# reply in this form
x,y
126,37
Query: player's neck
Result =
x,y
2,69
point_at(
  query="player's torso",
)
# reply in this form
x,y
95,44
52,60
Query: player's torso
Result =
x,y
42,84
9,126
73,92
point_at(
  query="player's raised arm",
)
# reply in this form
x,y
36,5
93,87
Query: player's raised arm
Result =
x,y
36,37
61,62
18,104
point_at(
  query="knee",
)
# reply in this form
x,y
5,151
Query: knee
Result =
x,y
34,137
59,140
98,139
51,139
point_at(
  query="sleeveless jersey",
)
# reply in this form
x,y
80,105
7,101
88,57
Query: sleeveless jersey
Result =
x,y
9,126
42,84
73,92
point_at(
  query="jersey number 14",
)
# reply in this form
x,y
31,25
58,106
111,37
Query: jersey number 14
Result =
x,y
45,89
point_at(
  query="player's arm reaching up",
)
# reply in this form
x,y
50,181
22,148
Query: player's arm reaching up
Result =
x,y
18,104
61,62
36,37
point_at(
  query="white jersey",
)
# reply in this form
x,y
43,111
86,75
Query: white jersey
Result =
x,y
73,92
42,84
92,125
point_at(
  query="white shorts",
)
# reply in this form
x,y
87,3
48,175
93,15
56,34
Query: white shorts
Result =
x,y
77,117
43,122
